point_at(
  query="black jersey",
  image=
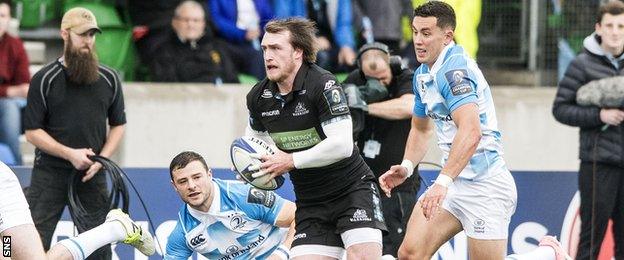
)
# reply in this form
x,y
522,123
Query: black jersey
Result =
x,y
74,115
294,122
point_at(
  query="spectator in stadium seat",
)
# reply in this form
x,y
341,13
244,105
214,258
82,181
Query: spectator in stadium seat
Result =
x,y
474,191
14,79
190,54
601,173
226,219
70,102
335,29
386,126
240,23
385,18
152,24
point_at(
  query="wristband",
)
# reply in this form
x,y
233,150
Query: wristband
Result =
x,y
282,252
443,180
409,165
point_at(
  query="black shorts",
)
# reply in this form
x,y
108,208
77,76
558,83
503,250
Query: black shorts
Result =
x,y
321,223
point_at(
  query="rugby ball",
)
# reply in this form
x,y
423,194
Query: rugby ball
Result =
x,y
240,151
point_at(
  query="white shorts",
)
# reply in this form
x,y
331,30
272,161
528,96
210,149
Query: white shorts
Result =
x,y
483,207
13,206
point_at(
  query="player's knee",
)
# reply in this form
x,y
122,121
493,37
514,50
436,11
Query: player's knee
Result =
x,y
412,253
361,255
364,251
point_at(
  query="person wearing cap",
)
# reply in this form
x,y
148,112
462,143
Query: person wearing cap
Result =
x,y
69,103
385,88
14,79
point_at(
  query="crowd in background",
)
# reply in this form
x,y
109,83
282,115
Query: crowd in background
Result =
x,y
224,36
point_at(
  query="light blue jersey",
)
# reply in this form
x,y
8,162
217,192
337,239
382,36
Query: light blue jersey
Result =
x,y
452,81
240,224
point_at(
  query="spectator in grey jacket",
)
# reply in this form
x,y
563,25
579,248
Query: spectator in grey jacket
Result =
x,y
601,149
385,18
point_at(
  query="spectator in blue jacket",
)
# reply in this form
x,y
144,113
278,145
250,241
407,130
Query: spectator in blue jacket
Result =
x,y
335,30
240,23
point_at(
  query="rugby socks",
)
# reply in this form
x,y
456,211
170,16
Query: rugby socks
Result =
x,y
542,252
84,244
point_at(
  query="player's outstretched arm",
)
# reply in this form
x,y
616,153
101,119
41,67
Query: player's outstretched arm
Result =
x,y
392,178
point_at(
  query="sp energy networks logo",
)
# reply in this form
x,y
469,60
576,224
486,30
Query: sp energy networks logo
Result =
x,y
571,229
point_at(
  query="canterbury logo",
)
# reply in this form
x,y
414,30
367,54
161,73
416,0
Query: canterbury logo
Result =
x,y
197,240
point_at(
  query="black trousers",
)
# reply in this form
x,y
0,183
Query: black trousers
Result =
x,y
600,201
47,197
396,211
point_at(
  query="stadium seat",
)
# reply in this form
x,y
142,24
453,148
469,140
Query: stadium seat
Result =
x,y
6,156
114,46
77,2
247,79
34,13
341,76
116,49
105,14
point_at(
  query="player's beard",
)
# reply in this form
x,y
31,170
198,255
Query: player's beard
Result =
x,y
287,70
82,68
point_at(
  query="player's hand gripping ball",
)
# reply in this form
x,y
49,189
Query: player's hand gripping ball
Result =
x,y
240,153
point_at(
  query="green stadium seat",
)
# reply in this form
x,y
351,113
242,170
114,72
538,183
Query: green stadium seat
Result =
x,y
106,14
341,76
115,49
34,13
247,79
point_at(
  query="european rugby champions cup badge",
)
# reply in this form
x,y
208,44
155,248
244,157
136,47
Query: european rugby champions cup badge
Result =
x,y
458,82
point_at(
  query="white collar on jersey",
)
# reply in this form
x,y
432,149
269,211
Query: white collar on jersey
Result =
x,y
440,60
215,205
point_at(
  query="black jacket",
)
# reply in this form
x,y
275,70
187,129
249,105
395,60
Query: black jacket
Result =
x,y
595,145
391,134
203,61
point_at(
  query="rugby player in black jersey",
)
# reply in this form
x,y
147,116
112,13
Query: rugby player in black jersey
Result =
x,y
301,108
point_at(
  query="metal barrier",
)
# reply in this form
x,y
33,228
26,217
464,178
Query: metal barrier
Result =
x,y
541,36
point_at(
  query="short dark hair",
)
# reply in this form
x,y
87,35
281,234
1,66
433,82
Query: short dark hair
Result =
x,y
8,2
611,7
183,159
302,35
438,9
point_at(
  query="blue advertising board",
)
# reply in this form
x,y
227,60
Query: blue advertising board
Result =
x,y
546,205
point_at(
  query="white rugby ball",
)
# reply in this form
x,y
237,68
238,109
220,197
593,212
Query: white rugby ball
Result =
x,y
240,151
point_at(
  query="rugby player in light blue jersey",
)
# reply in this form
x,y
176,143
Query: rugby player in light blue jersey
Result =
x,y
474,191
226,219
